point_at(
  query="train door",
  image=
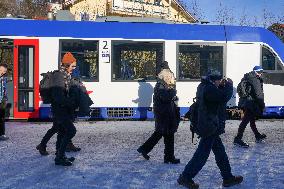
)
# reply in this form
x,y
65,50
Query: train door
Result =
x,y
26,78
6,57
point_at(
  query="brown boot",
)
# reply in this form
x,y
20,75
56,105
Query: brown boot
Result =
x,y
42,150
71,148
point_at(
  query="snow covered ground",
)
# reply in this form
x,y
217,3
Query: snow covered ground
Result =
x,y
109,158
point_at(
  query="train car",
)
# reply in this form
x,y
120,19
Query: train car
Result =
x,y
118,62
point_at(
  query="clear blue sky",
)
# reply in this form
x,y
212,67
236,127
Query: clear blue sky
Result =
x,y
253,7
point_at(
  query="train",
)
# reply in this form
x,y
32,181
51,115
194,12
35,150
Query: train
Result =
x,y
118,62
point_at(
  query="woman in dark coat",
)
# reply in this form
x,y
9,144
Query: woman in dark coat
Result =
x,y
166,117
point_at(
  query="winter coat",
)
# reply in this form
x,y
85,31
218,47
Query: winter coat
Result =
x,y
63,102
167,115
212,108
255,100
82,99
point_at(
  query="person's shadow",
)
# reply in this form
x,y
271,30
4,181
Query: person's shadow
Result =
x,y
144,100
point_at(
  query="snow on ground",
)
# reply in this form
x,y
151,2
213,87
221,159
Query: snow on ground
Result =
x,y
109,158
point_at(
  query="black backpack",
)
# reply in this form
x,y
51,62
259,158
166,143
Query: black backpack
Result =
x,y
242,89
45,87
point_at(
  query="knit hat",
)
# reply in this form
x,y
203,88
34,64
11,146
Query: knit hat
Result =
x,y
257,69
68,58
214,75
165,65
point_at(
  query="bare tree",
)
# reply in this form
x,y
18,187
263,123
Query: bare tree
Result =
x,y
8,7
224,15
255,21
268,18
196,10
33,8
244,19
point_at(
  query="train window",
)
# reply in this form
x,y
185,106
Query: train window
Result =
x,y
270,62
136,60
274,69
268,59
86,54
194,61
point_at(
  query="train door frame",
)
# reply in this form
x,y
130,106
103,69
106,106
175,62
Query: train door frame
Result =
x,y
25,51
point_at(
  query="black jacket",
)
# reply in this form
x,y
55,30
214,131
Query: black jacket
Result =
x,y
212,108
255,100
82,99
63,102
167,115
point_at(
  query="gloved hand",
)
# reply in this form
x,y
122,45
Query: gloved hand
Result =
x,y
175,98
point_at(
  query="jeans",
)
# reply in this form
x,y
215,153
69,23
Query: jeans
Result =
x,y
201,155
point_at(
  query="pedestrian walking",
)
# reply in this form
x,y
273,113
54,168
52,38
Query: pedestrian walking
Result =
x,y
212,95
63,104
3,100
251,101
167,117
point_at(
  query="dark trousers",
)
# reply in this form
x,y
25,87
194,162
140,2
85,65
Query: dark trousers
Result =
x,y
66,131
2,121
154,139
248,117
52,131
201,155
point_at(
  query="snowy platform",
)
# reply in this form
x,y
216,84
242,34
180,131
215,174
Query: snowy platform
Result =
x,y
109,158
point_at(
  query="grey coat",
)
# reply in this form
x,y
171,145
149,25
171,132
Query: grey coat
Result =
x,y
255,100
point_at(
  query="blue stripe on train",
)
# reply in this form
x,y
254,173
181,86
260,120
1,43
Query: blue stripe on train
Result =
x,y
144,112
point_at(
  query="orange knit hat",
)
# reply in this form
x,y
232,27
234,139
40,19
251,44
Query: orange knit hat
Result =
x,y
68,58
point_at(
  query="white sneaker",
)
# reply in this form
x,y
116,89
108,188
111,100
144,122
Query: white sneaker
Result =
x,y
4,137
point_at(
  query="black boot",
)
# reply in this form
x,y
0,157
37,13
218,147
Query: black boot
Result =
x,y
71,148
171,160
143,153
260,137
72,159
62,161
239,142
232,181
187,183
42,150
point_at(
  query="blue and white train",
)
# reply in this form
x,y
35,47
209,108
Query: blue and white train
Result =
x,y
118,62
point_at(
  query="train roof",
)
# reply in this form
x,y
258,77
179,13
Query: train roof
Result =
x,y
126,30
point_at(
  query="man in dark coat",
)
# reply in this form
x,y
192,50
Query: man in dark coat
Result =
x,y
3,100
166,117
252,105
74,91
63,105
212,94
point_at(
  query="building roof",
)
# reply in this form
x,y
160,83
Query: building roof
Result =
x,y
122,30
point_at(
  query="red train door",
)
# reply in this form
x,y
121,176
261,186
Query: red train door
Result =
x,y
26,78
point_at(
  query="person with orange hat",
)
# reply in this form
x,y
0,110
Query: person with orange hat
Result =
x,y
63,105
68,57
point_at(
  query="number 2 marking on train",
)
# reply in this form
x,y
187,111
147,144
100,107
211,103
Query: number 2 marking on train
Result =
x,y
105,45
